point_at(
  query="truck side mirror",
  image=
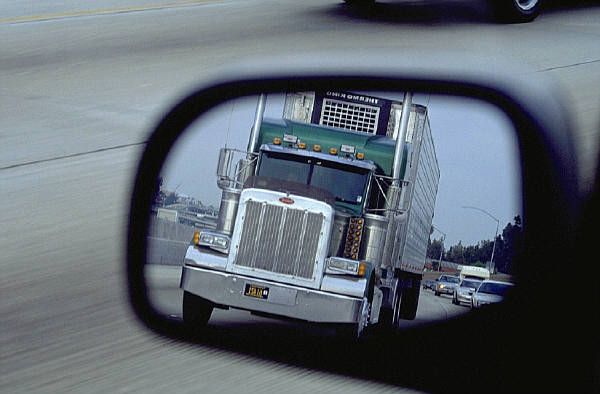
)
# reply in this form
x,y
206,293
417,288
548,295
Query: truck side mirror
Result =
x,y
544,165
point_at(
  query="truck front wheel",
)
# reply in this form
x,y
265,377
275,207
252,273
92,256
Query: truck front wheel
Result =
x,y
397,305
196,311
515,11
354,332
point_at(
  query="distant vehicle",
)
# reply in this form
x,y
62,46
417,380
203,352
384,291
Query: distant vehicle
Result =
x,y
469,271
429,284
489,292
446,284
464,291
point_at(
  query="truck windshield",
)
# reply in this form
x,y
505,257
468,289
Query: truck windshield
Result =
x,y
347,183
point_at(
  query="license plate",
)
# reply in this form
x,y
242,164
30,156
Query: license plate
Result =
x,y
255,291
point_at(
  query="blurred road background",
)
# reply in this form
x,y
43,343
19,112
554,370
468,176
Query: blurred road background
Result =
x,y
82,83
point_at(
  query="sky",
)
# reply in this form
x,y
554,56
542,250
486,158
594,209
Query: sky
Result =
x,y
475,147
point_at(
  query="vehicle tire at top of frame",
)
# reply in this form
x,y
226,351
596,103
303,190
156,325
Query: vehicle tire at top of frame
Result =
x,y
359,3
515,11
196,311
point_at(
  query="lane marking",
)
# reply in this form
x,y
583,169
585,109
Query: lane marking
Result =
x,y
101,11
9,167
570,65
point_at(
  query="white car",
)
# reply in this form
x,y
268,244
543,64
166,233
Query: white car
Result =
x,y
464,291
445,284
489,292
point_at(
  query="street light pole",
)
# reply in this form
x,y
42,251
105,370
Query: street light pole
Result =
x,y
442,248
491,263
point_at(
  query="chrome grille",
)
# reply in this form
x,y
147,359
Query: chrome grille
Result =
x,y
349,116
279,239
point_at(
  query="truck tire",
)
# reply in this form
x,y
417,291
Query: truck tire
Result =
x,y
410,300
196,311
359,3
396,306
515,11
354,332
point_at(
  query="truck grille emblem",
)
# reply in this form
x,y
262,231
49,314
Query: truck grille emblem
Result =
x,y
286,200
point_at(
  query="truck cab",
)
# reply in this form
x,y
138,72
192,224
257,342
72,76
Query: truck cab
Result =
x,y
304,222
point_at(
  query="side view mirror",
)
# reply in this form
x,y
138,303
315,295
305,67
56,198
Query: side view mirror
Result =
x,y
315,211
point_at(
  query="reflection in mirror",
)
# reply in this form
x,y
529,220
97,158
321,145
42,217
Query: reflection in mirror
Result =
x,y
347,208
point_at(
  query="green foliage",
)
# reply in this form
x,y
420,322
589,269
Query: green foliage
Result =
x,y
434,248
508,245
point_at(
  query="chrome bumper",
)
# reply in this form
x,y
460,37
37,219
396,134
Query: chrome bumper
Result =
x,y
281,299
463,298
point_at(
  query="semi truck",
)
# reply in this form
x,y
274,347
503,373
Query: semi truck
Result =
x,y
325,218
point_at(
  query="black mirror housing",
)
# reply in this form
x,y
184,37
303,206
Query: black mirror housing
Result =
x,y
549,168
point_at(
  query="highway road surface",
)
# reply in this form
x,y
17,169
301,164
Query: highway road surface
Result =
x,y
82,83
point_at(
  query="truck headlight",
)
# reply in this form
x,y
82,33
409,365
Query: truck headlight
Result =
x,y
339,265
212,240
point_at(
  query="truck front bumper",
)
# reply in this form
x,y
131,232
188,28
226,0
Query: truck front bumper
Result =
x,y
232,290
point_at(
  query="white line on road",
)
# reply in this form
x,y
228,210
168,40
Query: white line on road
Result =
x,y
112,10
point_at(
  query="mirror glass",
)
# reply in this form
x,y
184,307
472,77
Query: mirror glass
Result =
x,y
348,208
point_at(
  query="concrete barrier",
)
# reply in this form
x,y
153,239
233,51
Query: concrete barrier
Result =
x,y
168,242
161,228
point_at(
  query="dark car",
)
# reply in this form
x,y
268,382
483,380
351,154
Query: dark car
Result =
x,y
507,11
428,284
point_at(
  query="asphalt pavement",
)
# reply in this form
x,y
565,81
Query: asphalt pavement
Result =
x,y
80,90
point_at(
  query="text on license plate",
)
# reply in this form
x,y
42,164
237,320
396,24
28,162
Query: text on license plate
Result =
x,y
256,291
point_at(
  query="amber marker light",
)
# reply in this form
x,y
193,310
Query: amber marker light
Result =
x,y
302,145
362,268
196,237
332,151
277,141
317,148
360,156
